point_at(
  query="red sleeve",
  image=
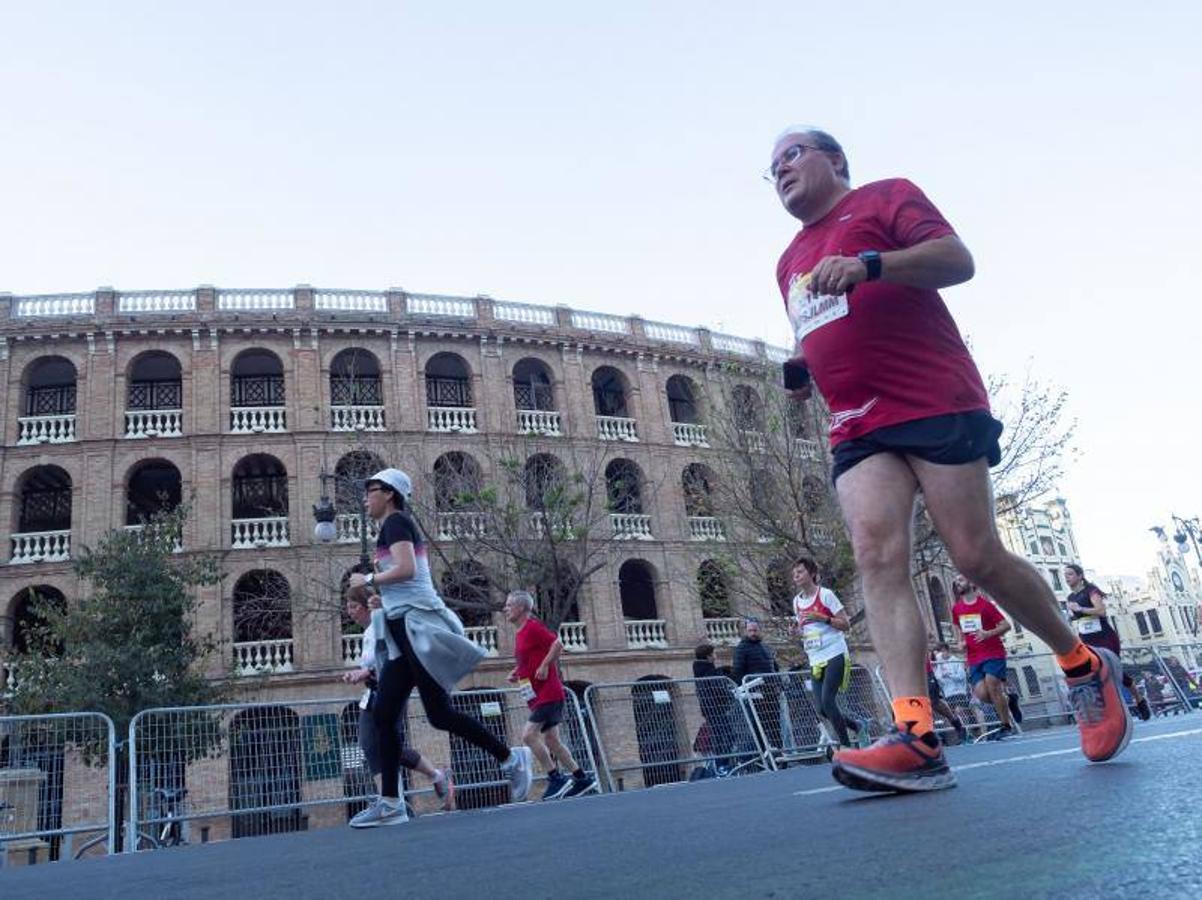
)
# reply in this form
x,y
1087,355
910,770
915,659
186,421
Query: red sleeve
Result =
x,y
913,218
993,616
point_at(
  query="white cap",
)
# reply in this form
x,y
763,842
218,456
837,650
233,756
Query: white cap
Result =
x,y
395,479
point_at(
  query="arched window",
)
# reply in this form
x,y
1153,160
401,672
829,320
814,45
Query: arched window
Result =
x,y
636,586
532,388
610,392
546,483
457,482
154,487
262,607
355,379
265,771
45,503
257,380
623,486
27,607
465,588
155,383
747,409
351,473
553,595
50,387
260,487
779,582
448,382
682,400
697,482
713,590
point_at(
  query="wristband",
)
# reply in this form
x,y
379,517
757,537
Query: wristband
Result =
x,y
872,263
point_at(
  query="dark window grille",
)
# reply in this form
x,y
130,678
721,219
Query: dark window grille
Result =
x,y
452,392
156,395
534,396
45,510
51,400
260,496
361,391
609,402
257,390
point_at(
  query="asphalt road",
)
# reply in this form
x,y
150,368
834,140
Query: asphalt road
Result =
x,y
1030,818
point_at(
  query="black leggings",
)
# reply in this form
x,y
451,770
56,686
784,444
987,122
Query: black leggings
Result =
x,y
397,681
826,691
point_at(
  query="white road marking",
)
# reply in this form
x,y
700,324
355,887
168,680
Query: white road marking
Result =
x,y
1023,758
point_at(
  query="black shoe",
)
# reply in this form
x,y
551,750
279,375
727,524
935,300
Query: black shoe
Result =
x,y
961,731
1144,711
580,786
1015,710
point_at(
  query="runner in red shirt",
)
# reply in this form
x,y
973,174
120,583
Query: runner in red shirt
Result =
x,y
909,413
981,625
536,650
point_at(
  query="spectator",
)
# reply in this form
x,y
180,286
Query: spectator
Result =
x,y
752,655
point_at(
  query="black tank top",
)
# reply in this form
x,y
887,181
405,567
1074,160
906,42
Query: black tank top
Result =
x,y
1081,598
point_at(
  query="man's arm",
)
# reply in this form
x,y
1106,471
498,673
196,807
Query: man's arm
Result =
x,y
739,664
552,657
934,264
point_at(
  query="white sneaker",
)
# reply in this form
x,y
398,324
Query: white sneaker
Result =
x,y
382,812
519,769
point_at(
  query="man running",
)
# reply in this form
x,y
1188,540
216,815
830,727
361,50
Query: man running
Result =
x,y
419,643
1087,610
909,412
980,626
536,650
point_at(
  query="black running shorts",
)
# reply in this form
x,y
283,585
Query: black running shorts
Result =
x,y
950,440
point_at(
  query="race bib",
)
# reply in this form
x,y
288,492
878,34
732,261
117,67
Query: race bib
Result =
x,y
1089,625
365,700
526,690
970,624
808,313
812,640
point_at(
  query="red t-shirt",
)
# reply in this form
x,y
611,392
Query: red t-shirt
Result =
x,y
896,354
979,616
531,645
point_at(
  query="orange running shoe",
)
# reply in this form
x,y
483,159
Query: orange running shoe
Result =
x,y
900,761
1102,716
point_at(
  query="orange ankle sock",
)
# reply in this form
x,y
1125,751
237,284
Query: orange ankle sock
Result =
x,y
1075,658
915,712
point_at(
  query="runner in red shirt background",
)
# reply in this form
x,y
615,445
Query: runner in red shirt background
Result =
x,y
536,649
981,625
909,413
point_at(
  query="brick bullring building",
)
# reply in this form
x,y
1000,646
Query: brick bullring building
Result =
x,y
120,401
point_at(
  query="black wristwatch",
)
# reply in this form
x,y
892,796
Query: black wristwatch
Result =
x,y
872,262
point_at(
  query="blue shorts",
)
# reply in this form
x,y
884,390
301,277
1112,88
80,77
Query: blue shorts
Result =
x,y
994,667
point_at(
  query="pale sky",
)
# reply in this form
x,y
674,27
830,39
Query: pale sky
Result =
x,y
607,156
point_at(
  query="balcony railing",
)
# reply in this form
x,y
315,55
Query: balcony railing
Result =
x,y
253,534
350,301
573,636
57,429
822,534
352,650
156,301
686,434
255,300
450,419
631,526
41,546
347,526
8,676
263,657
55,305
485,636
588,321
646,634
138,529
754,441
452,525
807,449
706,528
537,421
435,305
356,418
616,428
525,313
723,631
149,423
258,419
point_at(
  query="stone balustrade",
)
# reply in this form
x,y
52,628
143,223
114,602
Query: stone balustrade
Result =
x,y
252,534
688,434
57,429
537,421
631,526
724,631
357,418
573,636
41,546
263,657
646,634
451,419
151,423
617,428
258,419
706,528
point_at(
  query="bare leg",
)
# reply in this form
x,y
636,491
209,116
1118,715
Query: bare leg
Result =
x,y
960,500
877,497
533,739
997,696
560,751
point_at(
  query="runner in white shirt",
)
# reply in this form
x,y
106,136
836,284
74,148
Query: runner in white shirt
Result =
x,y
359,603
822,623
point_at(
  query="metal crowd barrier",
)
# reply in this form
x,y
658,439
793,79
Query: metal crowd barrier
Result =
x,y
57,786
241,769
788,722
663,731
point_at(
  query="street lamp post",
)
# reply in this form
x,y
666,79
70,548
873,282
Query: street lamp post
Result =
x,y
325,514
1189,530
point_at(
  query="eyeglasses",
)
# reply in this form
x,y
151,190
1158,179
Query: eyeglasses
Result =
x,y
372,489
790,156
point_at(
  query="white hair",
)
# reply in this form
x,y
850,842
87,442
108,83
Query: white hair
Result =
x,y
823,141
523,599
